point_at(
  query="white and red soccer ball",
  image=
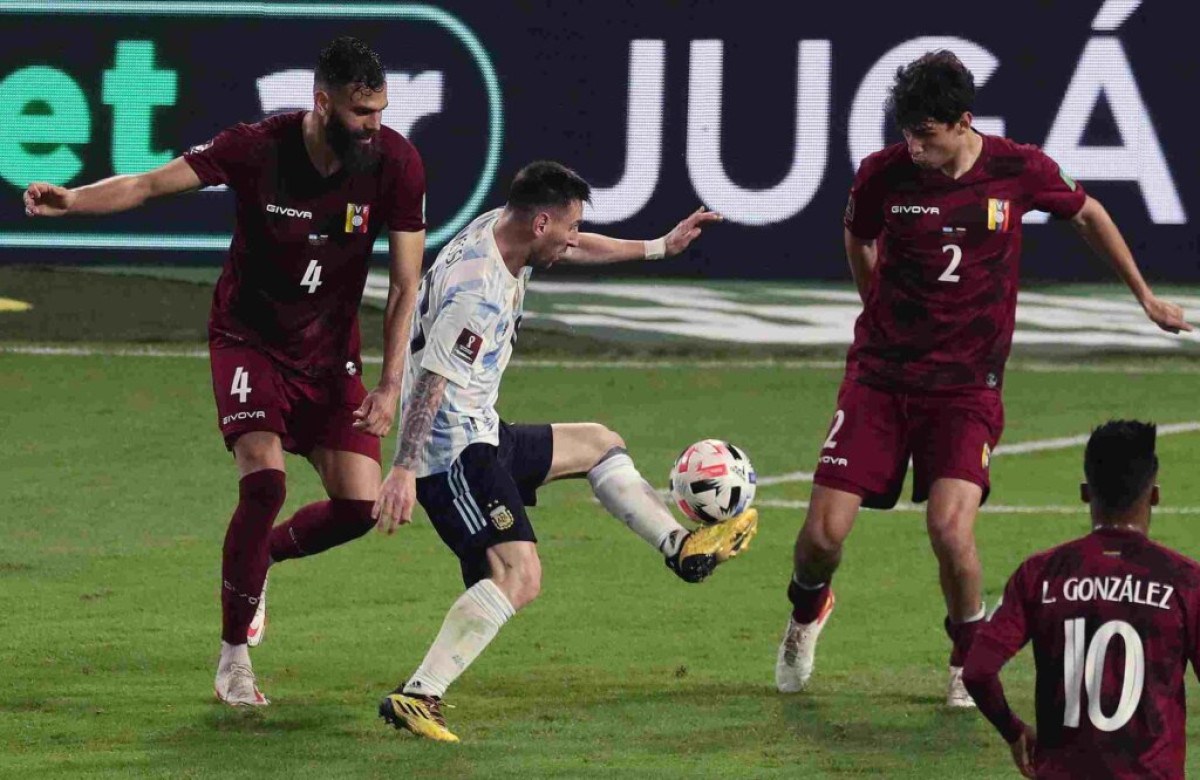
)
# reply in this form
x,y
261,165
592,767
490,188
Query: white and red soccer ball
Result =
x,y
712,481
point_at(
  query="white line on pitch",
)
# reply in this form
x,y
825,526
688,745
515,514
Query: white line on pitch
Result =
x,y
1183,367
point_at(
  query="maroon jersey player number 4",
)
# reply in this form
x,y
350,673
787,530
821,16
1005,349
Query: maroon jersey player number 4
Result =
x,y
933,234
313,190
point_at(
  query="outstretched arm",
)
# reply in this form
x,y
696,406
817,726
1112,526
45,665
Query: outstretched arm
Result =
x,y
117,193
1101,233
596,249
399,490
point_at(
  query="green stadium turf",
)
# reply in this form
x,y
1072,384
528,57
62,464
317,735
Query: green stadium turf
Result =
x,y
117,490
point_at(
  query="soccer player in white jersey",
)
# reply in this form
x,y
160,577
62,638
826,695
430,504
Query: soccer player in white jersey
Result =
x,y
475,474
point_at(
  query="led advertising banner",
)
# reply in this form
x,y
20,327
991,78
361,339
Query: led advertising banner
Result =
x,y
759,110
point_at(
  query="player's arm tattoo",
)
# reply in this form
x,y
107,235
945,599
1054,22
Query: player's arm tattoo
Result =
x,y
418,417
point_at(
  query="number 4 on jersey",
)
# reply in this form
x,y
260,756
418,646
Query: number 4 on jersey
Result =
x,y
241,384
312,276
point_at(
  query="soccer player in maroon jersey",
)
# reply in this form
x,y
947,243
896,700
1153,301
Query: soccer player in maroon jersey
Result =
x,y
313,190
933,236
1114,619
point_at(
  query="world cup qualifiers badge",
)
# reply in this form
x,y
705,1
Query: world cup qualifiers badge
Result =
x,y
357,217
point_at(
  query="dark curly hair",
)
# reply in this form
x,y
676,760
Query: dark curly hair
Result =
x,y
1120,463
935,86
348,60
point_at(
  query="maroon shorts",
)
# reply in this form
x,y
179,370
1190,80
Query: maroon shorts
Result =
x,y
946,433
255,394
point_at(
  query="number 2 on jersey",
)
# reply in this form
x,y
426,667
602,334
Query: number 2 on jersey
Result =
x,y
955,258
1087,673
312,276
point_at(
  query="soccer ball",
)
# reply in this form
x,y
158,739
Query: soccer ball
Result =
x,y
712,481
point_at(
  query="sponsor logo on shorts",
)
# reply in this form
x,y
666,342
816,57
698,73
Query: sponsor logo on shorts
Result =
x,y
467,347
502,518
829,460
238,417
987,455
288,211
351,369
992,380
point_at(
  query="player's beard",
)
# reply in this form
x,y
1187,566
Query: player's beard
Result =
x,y
356,157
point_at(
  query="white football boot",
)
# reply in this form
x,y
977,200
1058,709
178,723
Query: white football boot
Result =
x,y
794,663
235,685
956,693
258,626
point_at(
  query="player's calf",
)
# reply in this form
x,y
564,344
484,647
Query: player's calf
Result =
x,y
320,526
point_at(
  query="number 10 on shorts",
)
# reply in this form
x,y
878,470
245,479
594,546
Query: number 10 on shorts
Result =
x,y
241,384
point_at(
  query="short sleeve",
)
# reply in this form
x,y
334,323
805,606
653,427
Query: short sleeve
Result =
x,y
864,209
405,195
1051,189
456,339
220,160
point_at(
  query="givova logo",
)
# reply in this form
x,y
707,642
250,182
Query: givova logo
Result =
x,y
288,212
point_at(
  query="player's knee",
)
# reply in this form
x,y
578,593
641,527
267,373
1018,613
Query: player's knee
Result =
x,y
952,535
603,440
255,452
819,544
518,574
822,536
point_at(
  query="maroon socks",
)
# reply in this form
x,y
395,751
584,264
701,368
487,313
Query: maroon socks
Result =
x,y
320,526
244,556
807,602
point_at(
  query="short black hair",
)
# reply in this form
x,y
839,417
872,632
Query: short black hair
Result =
x,y
934,86
347,60
1120,463
544,184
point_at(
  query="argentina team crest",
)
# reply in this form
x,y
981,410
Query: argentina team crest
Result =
x,y
502,518
357,217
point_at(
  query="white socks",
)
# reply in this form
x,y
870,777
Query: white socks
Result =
x,y
472,622
233,654
631,499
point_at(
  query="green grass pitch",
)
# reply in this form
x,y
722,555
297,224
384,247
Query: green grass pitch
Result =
x,y
117,490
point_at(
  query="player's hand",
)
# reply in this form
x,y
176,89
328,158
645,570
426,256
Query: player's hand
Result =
x,y
687,231
1166,315
397,495
378,411
47,200
1023,750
